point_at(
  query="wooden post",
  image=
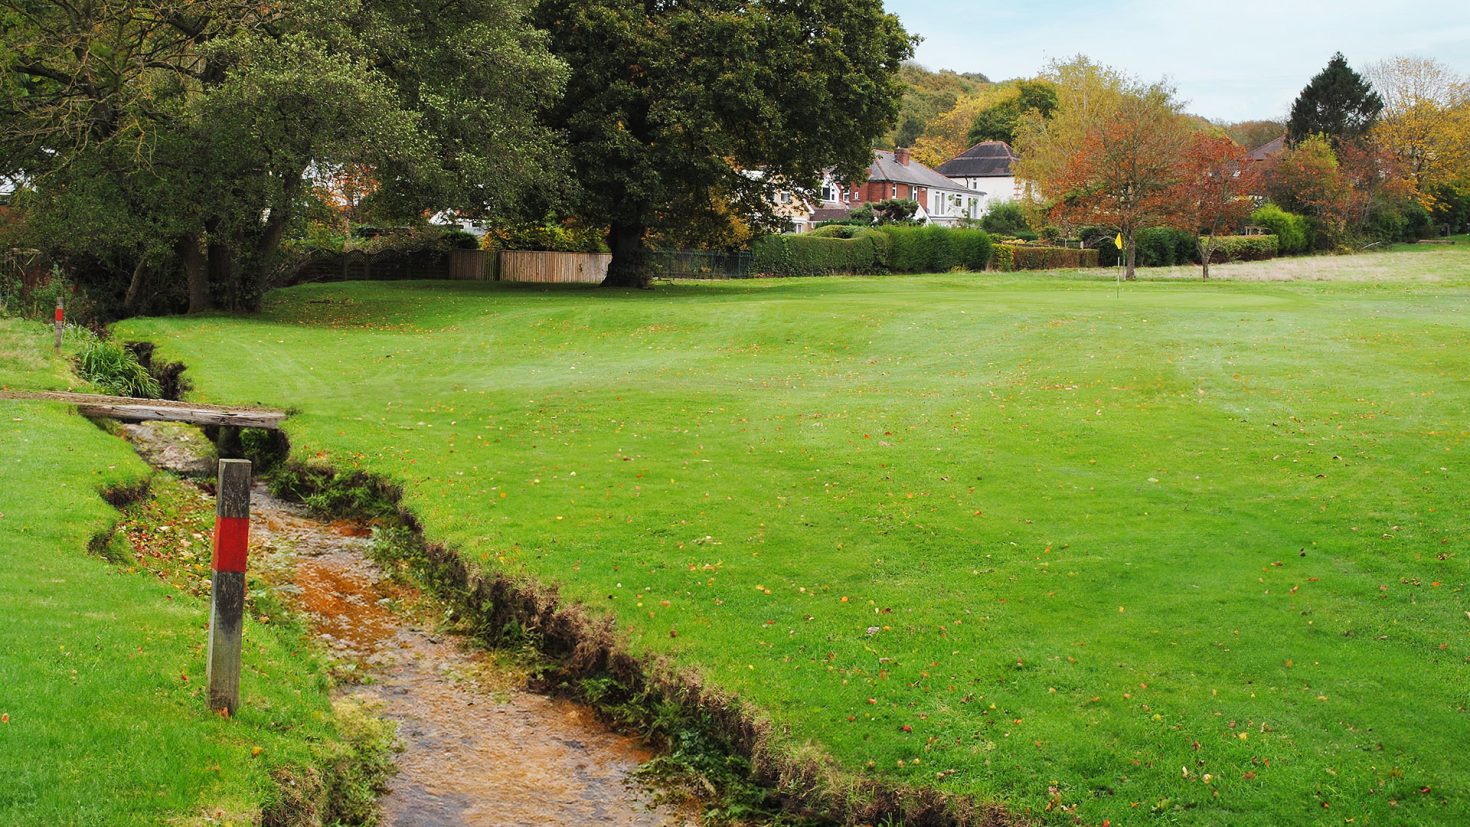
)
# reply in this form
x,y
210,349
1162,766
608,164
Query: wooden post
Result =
x,y
227,596
60,322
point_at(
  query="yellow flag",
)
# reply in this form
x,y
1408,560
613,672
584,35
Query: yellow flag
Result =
x,y
1119,241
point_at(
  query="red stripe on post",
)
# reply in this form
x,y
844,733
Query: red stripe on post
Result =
x,y
59,313
231,543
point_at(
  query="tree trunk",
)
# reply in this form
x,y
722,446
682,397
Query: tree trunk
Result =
x,y
195,274
1206,249
626,270
222,269
1131,252
276,225
135,285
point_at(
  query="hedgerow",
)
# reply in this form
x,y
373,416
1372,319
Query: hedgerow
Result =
x,y
848,250
808,255
1243,248
1028,257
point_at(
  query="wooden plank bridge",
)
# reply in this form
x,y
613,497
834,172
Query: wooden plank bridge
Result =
x,y
128,409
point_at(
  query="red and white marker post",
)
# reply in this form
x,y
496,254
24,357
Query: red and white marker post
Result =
x,y
60,322
227,596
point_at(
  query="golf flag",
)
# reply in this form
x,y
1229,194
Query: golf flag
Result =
x,y
1119,241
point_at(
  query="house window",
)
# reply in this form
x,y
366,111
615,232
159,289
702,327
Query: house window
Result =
x,y
829,192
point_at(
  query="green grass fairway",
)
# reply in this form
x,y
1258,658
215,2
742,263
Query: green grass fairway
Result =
x,y
1194,555
102,714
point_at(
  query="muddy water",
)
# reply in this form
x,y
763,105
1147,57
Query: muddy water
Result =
x,y
478,748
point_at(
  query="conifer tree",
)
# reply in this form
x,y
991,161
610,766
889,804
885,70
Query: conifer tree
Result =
x,y
1338,103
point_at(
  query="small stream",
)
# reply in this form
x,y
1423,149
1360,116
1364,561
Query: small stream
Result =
x,y
478,747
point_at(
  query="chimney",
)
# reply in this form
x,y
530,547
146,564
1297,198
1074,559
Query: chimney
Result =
x,y
901,155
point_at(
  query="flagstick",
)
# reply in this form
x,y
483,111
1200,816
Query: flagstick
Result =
x,y
1118,292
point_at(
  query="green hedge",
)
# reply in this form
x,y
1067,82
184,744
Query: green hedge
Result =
x,y
936,249
1243,248
1005,257
1165,247
1027,257
809,255
1293,232
848,250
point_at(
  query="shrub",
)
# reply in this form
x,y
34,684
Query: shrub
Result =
x,y
910,249
1028,257
835,231
1244,248
867,250
1005,257
882,248
936,249
1101,239
115,369
550,236
809,255
455,239
1165,247
893,211
973,249
1392,222
1291,230
1007,218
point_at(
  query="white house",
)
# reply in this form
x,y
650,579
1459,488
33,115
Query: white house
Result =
x,y
985,170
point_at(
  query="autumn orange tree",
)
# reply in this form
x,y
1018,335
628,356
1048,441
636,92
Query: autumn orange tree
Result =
x,y
1212,191
1309,179
1124,172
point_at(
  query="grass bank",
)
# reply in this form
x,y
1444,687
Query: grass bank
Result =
x,y
1195,554
103,719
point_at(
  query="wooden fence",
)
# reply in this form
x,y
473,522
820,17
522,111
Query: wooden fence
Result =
x,y
553,268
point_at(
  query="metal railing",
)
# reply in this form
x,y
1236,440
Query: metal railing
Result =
x,y
696,264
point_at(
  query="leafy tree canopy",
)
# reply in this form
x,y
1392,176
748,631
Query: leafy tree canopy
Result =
x,y
998,122
673,105
176,136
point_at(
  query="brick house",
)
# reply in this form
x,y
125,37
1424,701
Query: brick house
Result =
x,y
891,175
897,175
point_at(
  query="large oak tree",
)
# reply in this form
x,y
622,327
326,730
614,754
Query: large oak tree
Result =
x,y
173,136
672,107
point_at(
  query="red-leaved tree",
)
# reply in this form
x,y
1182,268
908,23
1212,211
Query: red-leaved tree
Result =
x,y
1212,191
1123,174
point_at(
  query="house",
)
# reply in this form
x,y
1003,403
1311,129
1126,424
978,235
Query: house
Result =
x,y
804,214
896,174
985,171
1268,151
891,175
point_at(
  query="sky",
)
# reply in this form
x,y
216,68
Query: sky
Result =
x,y
1230,60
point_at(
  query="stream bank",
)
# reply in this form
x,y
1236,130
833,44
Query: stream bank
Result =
x,y
478,747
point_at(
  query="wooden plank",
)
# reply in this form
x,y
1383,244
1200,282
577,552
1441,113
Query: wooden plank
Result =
x,y
538,267
128,409
150,413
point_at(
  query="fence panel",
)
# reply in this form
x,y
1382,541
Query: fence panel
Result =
x,y
473,265
536,267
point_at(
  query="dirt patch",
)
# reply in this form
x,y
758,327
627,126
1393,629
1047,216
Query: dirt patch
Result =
x,y
478,748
